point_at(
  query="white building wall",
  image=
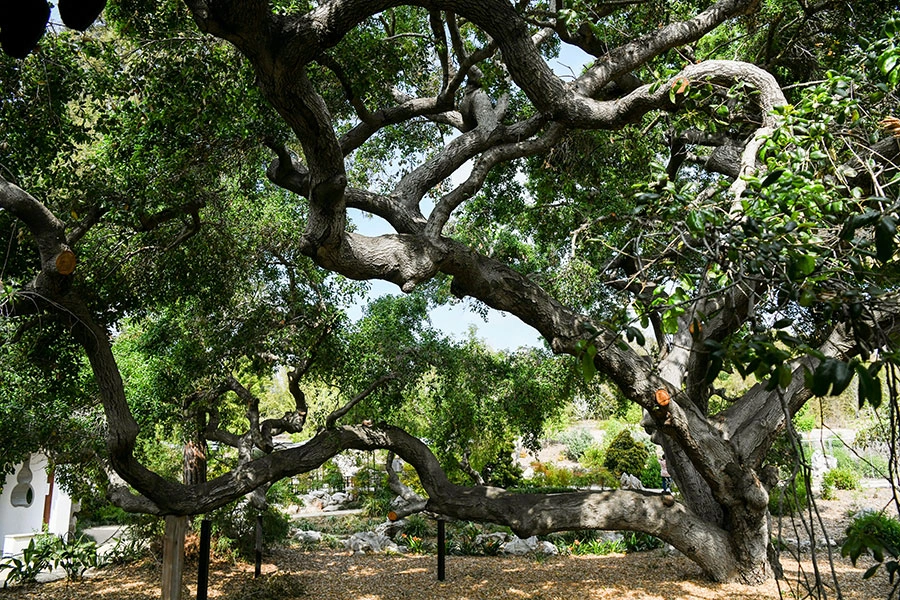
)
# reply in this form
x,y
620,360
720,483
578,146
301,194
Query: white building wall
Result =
x,y
18,520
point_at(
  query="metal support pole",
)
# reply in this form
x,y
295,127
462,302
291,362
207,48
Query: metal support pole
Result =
x,y
259,545
203,566
441,548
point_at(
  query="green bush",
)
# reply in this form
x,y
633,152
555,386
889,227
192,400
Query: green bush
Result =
x,y
841,479
846,459
805,420
235,528
651,474
126,550
788,498
593,457
377,503
624,455
503,471
874,465
598,476
463,540
878,534
636,541
877,434
74,554
594,547
36,557
576,441
418,526
551,476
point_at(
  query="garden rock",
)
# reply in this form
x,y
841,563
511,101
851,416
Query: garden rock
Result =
x,y
498,538
309,536
369,541
519,547
322,500
630,482
391,528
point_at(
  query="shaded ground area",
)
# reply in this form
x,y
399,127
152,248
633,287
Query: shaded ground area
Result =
x,y
292,573
343,576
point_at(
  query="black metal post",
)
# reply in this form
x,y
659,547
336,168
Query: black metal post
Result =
x,y
441,549
259,545
203,567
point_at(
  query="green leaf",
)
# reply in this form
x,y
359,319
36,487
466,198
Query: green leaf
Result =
x,y
804,265
887,62
871,571
772,177
843,375
807,297
823,377
635,334
782,323
588,368
784,376
714,368
696,222
869,387
884,239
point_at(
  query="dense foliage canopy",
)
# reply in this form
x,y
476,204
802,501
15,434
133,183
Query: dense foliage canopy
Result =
x,y
716,191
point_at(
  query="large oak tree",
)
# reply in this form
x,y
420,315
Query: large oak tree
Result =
x,y
737,255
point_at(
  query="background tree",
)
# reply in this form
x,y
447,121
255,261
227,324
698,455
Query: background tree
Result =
x,y
733,254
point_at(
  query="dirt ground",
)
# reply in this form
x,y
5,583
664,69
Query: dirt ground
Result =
x,y
291,573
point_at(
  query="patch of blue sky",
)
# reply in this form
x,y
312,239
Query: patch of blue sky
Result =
x,y
500,330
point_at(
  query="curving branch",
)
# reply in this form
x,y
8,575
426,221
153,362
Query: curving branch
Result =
x,y
331,419
630,56
441,213
47,229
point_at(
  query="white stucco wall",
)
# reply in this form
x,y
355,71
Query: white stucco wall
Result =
x,y
30,519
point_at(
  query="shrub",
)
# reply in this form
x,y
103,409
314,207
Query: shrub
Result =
x,y
878,534
36,557
598,476
874,465
377,503
577,441
594,546
503,471
235,528
841,479
651,474
418,526
874,436
549,475
847,459
788,498
636,541
624,455
805,420
126,550
593,457
466,539
75,555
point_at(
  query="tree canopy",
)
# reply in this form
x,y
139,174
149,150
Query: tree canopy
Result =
x,y
715,191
